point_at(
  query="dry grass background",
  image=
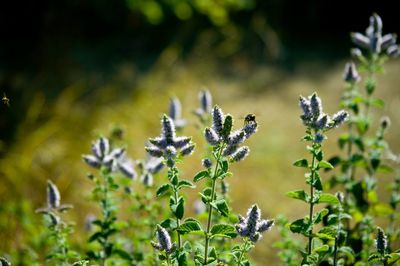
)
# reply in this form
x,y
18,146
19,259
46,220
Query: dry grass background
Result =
x,y
51,139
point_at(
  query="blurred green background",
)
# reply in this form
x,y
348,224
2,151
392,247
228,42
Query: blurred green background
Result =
x,y
79,68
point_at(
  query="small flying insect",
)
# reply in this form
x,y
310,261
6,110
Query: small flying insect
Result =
x,y
5,100
250,118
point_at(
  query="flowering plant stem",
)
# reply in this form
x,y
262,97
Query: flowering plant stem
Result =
x,y
313,169
218,156
244,248
176,196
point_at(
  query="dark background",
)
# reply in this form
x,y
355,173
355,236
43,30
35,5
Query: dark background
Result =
x,y
50,44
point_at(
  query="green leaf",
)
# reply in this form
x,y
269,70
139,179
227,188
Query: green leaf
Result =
x,y
224,165
301,163
189,226
300,226
206,195
163,189
180,209
223,230
377,102
327,233
95,236
122,254
325,164
319,215
393,258
349,253
321,249
343,139
182,259
370,86
317,182
298,194
385,169
221,206
200,175
185,183
374,257
169,224
319,155
328,198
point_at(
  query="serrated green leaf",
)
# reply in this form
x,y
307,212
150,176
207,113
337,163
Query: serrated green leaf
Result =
x,y
189,226
301,163
298,194
299,226
180,209
163,189
319,215
185,183
200,175
222,207
169,224
223,230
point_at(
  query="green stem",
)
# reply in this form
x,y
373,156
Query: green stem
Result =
x,y
207,237
168,259
310,237
178,222
337,240
243,250
107,215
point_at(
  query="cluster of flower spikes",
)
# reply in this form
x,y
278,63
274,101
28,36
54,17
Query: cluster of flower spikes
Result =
x,y
164,242
252,226
53,203
168,145
112,159
220,133
374,41
149,168
314,118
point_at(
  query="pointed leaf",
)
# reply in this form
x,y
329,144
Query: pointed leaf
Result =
x,y
163,189
185,183
200,175
223,230
298,194
301,163
189,226
328,198
325,164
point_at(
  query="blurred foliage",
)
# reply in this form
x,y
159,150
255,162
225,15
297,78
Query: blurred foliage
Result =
x,y
216,11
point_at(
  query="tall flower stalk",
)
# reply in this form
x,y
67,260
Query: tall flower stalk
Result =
x,y
172,148
317,124
226,149
109,161
60,253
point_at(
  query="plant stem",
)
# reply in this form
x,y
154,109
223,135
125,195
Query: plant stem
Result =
x,y
178,222
310,237
242,251
214,180
337,239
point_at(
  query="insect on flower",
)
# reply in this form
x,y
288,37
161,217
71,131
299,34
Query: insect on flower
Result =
x,y
250,118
